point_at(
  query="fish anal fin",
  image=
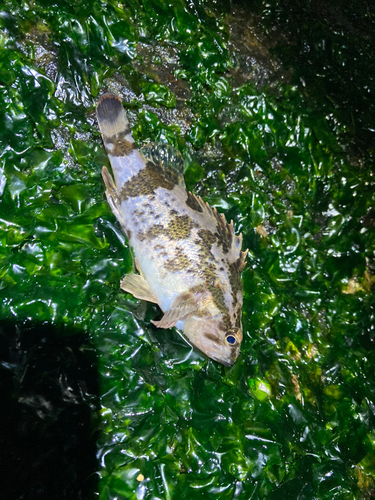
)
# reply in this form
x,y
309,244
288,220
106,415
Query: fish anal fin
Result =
x,y
138,287
108,181
182,307
112,196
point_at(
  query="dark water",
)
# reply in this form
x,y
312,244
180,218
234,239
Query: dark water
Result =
x,y
49,391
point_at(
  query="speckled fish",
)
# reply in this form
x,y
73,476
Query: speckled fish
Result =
x,y
188,257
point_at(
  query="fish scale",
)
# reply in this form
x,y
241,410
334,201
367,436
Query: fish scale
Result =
x,y
188,257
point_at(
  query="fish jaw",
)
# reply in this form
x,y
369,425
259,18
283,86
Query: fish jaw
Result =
x,y
208,335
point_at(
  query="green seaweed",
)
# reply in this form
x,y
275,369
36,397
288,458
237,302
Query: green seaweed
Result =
x,y
294,417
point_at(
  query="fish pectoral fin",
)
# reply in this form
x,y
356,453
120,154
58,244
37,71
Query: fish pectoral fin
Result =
x,y
138,287
182,307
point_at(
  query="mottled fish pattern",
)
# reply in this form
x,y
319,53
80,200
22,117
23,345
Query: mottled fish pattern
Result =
x,y
188,258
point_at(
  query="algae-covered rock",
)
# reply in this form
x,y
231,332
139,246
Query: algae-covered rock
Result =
x,y
259,102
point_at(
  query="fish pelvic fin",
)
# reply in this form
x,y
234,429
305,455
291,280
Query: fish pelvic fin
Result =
x,y
112,194
138,287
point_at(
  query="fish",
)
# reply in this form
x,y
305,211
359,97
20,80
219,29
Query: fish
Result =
x,y
188,258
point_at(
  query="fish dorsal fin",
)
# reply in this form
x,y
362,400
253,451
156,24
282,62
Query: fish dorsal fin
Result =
x,y
168,159
226,238
225,233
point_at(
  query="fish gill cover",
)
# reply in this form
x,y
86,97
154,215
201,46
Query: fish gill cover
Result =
x,y
272,110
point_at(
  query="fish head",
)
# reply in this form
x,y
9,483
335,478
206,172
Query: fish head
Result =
x,y
213,339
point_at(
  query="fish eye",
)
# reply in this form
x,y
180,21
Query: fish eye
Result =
x,y
231,339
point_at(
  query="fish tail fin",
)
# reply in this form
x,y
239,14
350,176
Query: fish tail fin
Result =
x,y
125,159
114,126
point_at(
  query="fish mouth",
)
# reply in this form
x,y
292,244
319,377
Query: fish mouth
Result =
x,y
223,361
227,360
